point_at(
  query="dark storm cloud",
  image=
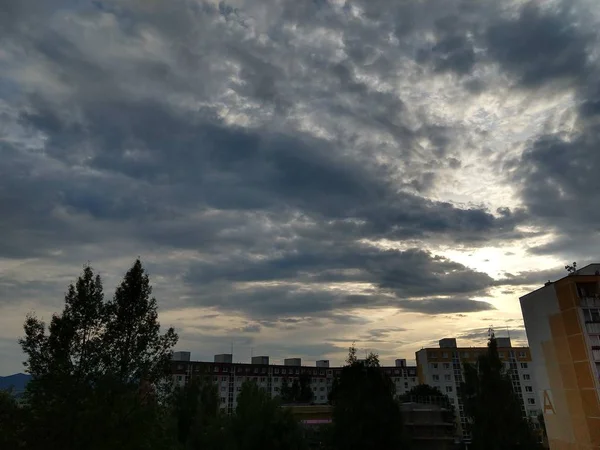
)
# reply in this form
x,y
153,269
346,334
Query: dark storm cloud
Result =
x,y
481,335
559,180
411,280
381,335
15,291
539,46
287,301
444,305
184,163
268,143
557,172
411,273
531,277
229,167
453,49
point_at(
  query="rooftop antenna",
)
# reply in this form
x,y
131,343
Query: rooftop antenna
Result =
x,y
507,328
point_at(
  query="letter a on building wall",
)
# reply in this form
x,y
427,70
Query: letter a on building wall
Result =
x,y
548,405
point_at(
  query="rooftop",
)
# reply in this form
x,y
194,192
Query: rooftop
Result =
x,y
589,270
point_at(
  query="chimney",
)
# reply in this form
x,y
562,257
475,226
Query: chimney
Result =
x,y
226,358
292,362
181,356
448,343
260,360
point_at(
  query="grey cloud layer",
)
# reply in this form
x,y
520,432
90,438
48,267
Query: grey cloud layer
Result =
x,y
558,171
277,141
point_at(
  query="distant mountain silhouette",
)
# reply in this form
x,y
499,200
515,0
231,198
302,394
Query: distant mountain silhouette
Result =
x,y
16,382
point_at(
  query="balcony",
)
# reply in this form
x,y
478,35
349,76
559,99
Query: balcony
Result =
x,y
592,327
590,301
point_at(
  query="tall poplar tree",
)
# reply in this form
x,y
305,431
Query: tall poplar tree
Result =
x,y
134,348
493,408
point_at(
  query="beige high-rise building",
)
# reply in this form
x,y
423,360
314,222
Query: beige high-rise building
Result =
x,y
443,368
562,320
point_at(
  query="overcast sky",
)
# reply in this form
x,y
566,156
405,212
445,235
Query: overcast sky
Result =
x,y
299,175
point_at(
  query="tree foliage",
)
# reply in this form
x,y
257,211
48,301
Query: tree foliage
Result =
x,y
133,347
96,369
261,424
493,408
365,414
424,393
12,422
197,421
298,392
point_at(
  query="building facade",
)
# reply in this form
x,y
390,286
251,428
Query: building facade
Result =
x,y
562,320
229,376
443,368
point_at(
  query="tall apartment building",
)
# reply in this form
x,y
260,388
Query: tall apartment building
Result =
x,y
230,376
443,368
562,320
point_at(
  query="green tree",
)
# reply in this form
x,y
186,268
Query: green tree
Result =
x,y
134,348
299,391
12,422
493,408
424,393
195,409
365,413
73,345
261,424
306,392
64,363
82,394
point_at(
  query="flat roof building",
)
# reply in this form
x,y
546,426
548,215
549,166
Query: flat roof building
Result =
x,y
229,376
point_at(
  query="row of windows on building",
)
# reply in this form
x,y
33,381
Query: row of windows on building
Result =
x,y
448,377
446,366
321,398
275,389
410,372
467,355
277,380
592,315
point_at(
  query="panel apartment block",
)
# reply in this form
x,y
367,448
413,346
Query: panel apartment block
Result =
x,y
229,377
443,368
562,320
